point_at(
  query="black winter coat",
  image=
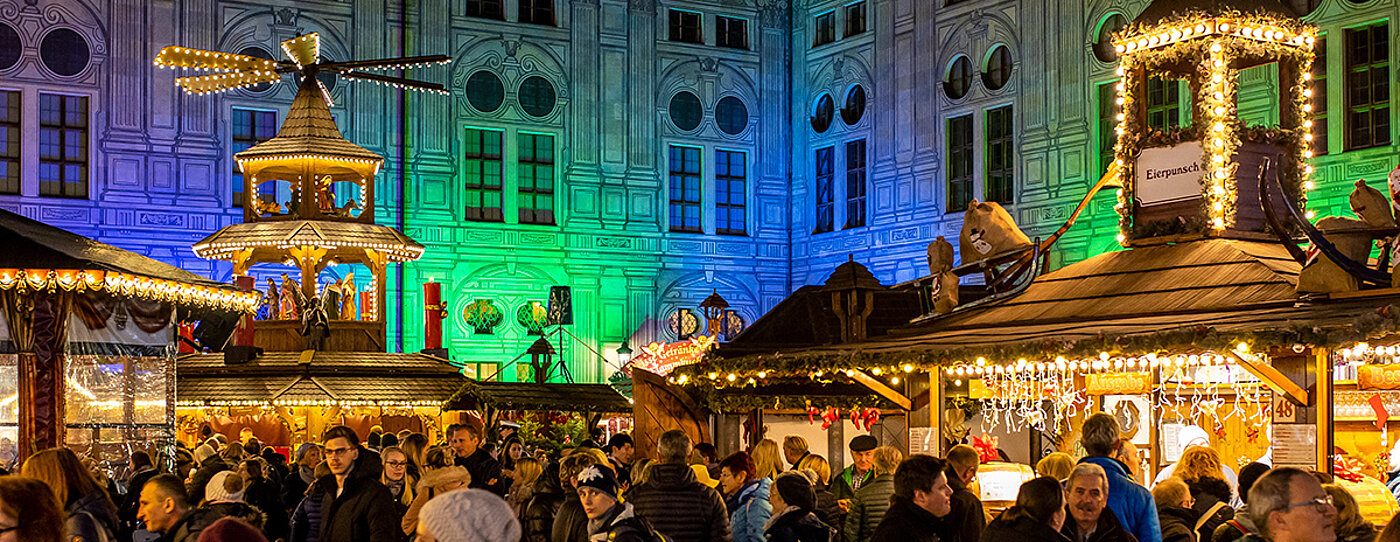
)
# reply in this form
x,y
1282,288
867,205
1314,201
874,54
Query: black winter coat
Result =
x,y
1015,525
624,525
682,508
799,525
90,515
485,471
1207,492
263,495
127,507
966,520
201,476
829,511
571,523
1109,529
1178,524
196,520
364,511
538,523
293,489
906,522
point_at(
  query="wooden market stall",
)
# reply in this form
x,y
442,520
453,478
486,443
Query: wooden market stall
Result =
x,y
545,405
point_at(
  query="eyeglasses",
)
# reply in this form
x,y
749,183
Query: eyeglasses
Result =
x,y
338,451
396,463
4,530
1320,503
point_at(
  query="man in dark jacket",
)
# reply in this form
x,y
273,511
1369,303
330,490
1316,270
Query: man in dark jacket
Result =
x,y
1174,511
678,505
873,499
209,464
845,484
355,507
921,496
485,470
165,510
966,520
793,519
1090,518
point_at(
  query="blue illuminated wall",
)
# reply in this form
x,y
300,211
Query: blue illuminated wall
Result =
x,y
159,174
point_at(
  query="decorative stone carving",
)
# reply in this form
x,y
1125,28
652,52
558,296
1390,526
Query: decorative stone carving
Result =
x,y
284,17
709,64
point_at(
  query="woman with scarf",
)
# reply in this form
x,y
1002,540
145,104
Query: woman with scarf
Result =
x,y
746,495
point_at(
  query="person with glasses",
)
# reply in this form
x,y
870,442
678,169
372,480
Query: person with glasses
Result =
x,y
1289,505
397,478
29,511
355,506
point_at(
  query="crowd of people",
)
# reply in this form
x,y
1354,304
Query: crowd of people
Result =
x,y
399,487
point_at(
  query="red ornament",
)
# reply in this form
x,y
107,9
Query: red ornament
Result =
x,y
829,417
812,413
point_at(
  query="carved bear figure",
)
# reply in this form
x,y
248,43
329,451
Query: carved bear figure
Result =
x,y
987,230
1320,274
940,267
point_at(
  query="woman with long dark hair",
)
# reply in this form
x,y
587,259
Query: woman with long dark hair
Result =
x,y
1037,517
29,512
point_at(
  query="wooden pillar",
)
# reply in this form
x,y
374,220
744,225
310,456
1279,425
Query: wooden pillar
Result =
x,y
925,389
1322,372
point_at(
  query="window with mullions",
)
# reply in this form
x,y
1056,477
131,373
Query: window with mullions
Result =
x,y
824,31
1001,180
684,188
731,32
535,172
482,163
1108,122
685,27
486,9
1368,87
855,183
959,163
826,196
63,146
9,141
1163,103
250,127
1319,97
855,19
537,12
731,173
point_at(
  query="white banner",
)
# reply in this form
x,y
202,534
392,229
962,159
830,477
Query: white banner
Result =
x,y
1169,174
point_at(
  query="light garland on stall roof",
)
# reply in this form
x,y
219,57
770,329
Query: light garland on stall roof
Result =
x,y
123,284
306,403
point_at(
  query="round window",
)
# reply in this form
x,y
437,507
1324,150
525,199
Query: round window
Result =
x,y
732,115
1103,47
10,46
485,91
998,68
257,52
855,105
64,52
821,116
959,79
536,96
686,111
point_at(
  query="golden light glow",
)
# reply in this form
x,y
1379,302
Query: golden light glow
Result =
x,y
122,284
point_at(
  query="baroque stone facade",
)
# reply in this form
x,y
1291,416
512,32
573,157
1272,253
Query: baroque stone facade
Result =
x,y
603,141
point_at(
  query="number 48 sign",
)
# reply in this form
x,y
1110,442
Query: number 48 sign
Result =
x,y
1283,410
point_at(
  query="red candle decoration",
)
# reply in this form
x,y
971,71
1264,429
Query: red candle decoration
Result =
x,y
243,334
432,315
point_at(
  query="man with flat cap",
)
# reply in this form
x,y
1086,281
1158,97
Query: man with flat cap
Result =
x,y
860,472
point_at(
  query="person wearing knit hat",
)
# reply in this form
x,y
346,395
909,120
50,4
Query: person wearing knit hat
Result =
x,y
231,529
225,486
203,452
434,482
468,515
608,519
793,501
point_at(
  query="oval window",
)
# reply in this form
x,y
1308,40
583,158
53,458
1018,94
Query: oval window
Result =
x,y
536,96
732,115
855,105
485,91
959,79
257,52
1103,46
686,111
64,52
998,70
10,47
821,116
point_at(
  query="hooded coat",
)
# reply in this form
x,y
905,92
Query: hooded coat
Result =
x,y
622,524
1178,524
749,510
681,507
798,524
538,520
92,517
1208,492
363,511
1015,524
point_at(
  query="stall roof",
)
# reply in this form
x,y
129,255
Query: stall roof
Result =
x,y
531,396
329,376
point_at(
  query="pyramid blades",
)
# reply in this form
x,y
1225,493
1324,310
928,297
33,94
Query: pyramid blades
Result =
x,y
220,82
304,50
196,59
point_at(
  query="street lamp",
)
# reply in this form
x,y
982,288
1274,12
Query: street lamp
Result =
x,y
540,353
713,308
624,354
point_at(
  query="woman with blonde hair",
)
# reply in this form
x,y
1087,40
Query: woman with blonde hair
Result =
x,y
435,482
415,446
527,472
641,471
397,478
89,512
1349,524
1057,465
29,512
1199,467
819,472
767,459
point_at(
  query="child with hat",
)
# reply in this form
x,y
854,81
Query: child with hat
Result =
x,y
793,500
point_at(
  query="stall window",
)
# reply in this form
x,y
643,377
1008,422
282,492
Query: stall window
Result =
x,y
826,197
959,163
482,163
1368,87
1163,103
731,174
1001,183
684,181
855,183
250,127
63,146
535,171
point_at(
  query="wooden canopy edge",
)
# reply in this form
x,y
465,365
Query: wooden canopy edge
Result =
x,y
883,390
1274,379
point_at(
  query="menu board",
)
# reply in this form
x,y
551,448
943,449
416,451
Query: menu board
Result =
x,y
1295,445
923,440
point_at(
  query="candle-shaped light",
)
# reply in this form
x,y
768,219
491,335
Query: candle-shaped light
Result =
x,y
432,315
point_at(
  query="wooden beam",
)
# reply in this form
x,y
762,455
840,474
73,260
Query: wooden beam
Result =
x,y
882,390
1274,379
1322,415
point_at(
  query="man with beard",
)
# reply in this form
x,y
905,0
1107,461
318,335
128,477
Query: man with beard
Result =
x,y
1090,518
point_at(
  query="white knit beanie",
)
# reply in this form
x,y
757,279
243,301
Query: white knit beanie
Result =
x,y
203,452
470,515
215,491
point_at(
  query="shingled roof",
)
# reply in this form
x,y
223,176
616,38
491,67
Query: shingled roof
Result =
x,y
1160,10
272,234
330,376
309,130
477,395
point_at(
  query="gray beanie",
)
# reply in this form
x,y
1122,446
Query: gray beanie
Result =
x,y
470,515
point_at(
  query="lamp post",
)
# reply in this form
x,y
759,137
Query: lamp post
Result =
x,y
541,353
713,307
624,354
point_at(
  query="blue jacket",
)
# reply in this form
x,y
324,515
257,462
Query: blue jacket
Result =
x,y
749,511
1131,502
